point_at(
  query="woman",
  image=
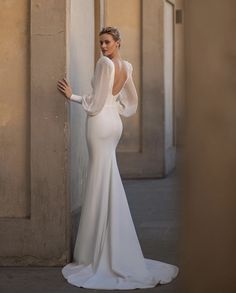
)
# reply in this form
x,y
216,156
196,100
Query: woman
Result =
x,y
107,253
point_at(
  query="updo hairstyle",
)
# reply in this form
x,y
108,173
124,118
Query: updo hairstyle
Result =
x,y
113,31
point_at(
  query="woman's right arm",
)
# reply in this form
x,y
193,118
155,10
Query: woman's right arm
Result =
x,y
94,102
103,77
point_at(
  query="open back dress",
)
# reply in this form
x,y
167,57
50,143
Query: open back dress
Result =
x,y
107,253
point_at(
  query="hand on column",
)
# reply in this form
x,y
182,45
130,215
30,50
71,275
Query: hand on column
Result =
x,y
65,88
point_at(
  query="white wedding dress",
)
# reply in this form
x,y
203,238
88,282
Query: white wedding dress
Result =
x,y
107,253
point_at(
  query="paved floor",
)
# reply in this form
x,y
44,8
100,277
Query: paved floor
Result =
x,y
154,205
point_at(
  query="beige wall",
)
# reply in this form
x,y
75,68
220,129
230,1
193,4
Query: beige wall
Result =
x,y
209,200
14,107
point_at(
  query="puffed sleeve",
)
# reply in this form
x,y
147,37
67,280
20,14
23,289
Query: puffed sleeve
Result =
x,y
102,87
128,98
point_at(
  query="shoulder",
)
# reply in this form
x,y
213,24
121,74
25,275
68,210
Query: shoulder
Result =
x,y
105,62
129,65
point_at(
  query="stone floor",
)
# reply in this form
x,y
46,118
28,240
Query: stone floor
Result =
x,y
154,206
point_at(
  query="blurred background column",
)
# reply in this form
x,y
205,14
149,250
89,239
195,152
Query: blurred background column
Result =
x,y
209,202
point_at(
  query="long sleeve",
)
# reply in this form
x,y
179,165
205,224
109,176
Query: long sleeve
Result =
x,y
128,98
102,87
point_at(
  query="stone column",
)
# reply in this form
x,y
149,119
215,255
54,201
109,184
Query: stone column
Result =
x,y
34,213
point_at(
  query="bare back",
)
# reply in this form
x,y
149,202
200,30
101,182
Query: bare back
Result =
x,y
121,75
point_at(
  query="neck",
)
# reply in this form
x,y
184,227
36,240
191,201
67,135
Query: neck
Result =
x,y
115,55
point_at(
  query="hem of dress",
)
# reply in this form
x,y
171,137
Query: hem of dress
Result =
x,y
83,276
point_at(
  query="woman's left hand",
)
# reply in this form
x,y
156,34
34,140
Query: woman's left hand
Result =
x,y
64,87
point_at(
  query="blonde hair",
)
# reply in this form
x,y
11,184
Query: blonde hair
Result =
x,y
113,31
